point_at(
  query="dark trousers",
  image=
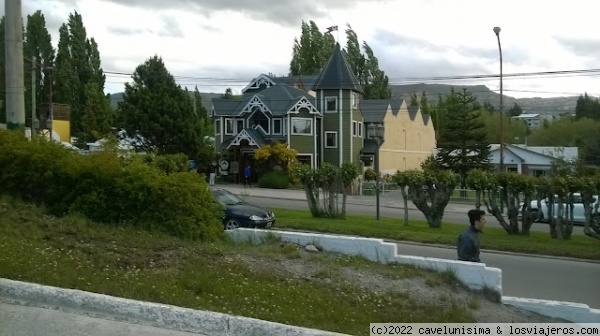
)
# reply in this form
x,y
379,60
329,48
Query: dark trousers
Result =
x,y
247,180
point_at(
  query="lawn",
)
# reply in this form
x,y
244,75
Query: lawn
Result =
x,y
71,252
579,246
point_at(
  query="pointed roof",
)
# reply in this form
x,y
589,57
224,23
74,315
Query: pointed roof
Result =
x,y
337,74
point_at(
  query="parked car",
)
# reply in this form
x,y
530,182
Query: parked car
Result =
x,y
238,213
578,210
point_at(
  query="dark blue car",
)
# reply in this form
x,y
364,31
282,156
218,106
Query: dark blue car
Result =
x,y
238,213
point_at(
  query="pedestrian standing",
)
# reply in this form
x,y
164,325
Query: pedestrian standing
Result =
x,y
247,175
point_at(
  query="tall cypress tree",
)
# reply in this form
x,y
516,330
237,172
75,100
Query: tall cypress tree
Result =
x,y
462,145
39,46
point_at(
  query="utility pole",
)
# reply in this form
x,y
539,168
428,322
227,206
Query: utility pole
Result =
x,y
33,85
15,88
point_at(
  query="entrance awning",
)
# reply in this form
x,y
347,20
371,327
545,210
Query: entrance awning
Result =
x,y
254,138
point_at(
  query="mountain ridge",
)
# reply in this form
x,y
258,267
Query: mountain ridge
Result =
x,y
554,106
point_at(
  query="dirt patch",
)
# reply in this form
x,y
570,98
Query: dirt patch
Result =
x,y
422,286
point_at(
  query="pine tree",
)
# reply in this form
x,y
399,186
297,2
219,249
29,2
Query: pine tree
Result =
x,y
162,113
462,145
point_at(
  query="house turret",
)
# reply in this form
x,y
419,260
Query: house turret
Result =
x,y
338,95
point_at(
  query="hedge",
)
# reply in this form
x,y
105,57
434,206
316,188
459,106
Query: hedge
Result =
x,y
108,188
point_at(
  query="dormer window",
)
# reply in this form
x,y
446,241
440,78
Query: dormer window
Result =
x,y
259,119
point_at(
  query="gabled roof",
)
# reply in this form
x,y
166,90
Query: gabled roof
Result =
x,y
277,98
305,82
337,74
374,110
254,138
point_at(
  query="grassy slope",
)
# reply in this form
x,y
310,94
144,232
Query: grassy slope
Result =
x,y
74,253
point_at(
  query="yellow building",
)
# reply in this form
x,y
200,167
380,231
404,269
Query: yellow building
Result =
x,y
409,137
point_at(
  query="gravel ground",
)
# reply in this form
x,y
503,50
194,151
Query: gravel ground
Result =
x,y
317,266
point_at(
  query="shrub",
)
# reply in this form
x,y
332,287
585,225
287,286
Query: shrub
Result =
x,y
106,188
274,180
370,174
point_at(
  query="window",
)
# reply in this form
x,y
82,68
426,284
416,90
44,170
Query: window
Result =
x,y
331,104
355,99
277,126
217,126
360,129
330,139
354,128
259,119
229,127
239,125
301,126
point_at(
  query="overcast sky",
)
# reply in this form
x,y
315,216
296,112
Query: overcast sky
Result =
x,y
225,43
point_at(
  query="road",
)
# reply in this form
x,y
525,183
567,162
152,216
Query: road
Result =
x,y
523,276
532,277
33,321
449,217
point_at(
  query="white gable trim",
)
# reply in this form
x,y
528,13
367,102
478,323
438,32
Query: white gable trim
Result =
x,y
255,102
243,135
304,103
258,81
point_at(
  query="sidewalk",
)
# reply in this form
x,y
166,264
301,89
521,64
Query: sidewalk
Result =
x,y
391,200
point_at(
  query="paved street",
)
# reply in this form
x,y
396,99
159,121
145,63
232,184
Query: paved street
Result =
x,y
18,320
532,277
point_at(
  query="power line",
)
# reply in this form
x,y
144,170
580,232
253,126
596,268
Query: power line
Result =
x,y
551,74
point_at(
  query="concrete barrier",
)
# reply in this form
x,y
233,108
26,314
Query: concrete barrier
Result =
x,y
476,276
146,313
570,311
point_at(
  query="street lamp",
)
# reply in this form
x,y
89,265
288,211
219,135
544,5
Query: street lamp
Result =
x,y
376,133
497,32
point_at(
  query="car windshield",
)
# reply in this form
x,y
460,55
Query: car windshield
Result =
x,y
227,198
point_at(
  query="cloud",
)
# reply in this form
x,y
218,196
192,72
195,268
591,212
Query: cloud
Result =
x,y
170,29
283,12
580,46
477,57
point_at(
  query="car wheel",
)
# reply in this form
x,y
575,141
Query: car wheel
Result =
x,y
231,224
596,224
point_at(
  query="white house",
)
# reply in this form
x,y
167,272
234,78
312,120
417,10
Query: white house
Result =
x,y
533,120
531,160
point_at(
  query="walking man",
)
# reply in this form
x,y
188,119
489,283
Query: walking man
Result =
x,y
468,240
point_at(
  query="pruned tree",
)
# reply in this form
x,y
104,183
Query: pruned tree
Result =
x,y
430,191
328,181
590,187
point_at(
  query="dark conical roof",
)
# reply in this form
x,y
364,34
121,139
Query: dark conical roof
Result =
x,y
337,74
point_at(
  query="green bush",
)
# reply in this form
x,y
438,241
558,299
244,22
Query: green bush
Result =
x,y
370,174
107,188
274,180
169,163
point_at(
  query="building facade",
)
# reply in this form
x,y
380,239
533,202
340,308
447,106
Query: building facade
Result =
x,y
323,118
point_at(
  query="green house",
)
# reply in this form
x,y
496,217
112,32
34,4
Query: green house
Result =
x,y
318,116
323,118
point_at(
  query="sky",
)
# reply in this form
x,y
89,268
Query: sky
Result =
x,y
216,44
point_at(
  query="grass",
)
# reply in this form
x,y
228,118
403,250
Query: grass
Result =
x,y
72,252
579,246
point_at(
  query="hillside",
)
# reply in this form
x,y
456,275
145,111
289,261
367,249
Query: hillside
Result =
x,y
553,106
